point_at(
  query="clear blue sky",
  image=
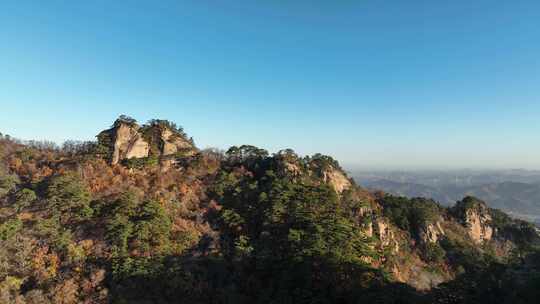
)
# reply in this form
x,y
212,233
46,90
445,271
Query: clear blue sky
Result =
x,y
393,84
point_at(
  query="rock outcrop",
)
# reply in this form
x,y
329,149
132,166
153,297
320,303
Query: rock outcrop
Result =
x,y
328,170
172,142
126,140
337,179
288,163
478,226
431,232
386,235
475,215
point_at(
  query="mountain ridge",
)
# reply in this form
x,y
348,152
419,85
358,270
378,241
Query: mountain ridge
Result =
x,y
517,198
86,223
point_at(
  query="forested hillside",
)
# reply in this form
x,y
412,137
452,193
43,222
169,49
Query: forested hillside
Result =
x,y
144,216
517,193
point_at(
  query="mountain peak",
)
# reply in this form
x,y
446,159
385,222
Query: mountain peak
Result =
x,y
126,139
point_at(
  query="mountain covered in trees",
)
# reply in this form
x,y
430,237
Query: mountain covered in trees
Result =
x,y
516,192
143,216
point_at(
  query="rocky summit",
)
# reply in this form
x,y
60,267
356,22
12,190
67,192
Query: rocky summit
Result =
x,y
127,140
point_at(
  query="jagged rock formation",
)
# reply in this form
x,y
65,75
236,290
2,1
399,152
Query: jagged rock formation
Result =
x,y
337,179
386,235
478,223
126,140
431,232
288,163
475,215
320,166
173,142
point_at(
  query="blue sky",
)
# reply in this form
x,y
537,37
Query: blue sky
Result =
x,y
376,84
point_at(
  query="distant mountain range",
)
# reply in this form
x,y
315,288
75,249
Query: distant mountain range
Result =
x,y
517,192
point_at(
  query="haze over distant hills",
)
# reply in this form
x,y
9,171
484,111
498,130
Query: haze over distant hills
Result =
x,y
515,191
